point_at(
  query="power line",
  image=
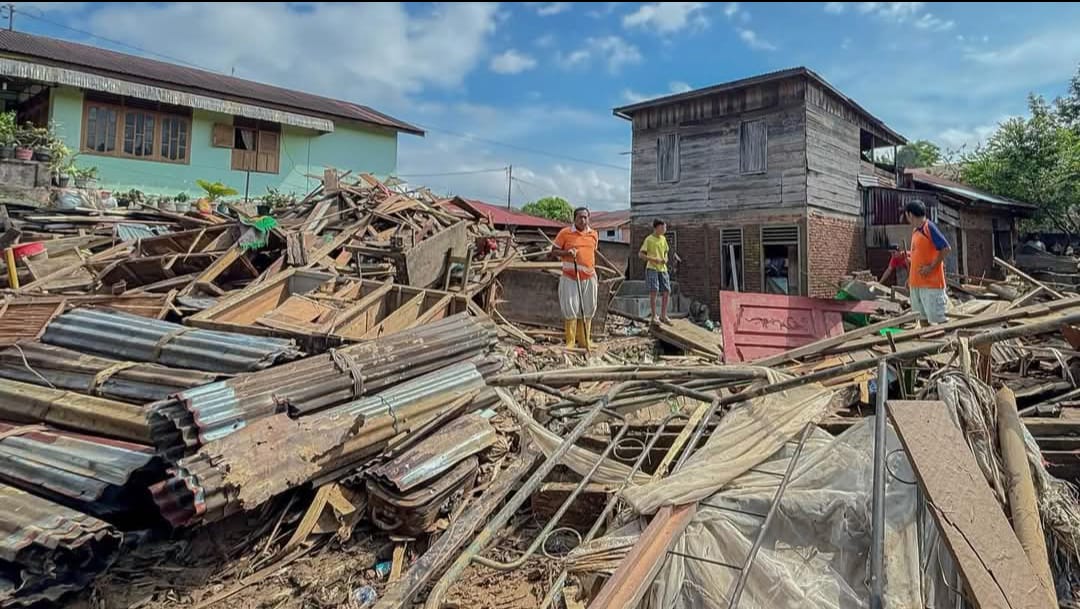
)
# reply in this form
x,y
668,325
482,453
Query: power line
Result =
x,y
109,40
450,173
459,134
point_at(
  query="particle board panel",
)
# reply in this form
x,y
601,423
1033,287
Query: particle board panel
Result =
x,y
971,521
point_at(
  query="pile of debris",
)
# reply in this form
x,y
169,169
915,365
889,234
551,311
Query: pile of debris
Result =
x,y
362,401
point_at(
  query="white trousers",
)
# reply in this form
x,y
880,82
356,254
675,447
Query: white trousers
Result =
x,y
570,300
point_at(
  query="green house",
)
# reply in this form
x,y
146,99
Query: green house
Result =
x,y
159,127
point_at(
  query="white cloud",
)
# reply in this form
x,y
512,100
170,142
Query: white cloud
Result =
x,y
511,62
935,24
545,41
895,11
753,41
606,8
668,17
845,44
405,55
613,51
731,9
553,8
954,139
535,175
834,8
632,97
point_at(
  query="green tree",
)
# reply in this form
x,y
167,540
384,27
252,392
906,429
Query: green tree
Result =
x,y
920,153
552,208
1034,159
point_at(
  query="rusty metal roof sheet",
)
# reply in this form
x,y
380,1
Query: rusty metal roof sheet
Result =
x,y
103,62
25,320
27,403
455,441
47,550
116,334
62,368
98,476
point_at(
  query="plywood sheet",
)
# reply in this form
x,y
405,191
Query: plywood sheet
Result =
x,y
972,522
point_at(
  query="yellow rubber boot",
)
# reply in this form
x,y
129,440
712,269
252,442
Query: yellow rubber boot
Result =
x,y
571,327
584,330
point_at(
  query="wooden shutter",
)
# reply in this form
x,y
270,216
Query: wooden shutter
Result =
x,y
222,136
667,157
752,146
268,152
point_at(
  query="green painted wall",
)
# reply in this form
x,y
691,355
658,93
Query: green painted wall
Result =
x,y
303,152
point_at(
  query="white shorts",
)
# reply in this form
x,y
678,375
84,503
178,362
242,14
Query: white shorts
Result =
x,y
932,304
570,300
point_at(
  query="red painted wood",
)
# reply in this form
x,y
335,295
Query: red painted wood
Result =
x,y
760,325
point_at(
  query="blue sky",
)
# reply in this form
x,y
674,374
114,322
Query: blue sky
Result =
x,y
533,84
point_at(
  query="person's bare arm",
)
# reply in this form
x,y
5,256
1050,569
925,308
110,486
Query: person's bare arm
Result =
x,y
647,258
885,276
560,253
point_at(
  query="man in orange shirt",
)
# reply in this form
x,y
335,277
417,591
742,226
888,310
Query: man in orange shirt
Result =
x,y
576,247
926,279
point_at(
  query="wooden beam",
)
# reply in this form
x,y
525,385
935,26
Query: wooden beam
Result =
x,y
216,268
820,346
972,523
1028,278
399,319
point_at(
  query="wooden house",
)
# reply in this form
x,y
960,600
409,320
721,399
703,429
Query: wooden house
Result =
x,y
759,181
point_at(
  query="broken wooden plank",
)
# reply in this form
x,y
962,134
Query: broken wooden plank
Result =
x,y
1028,278
690,337
971,521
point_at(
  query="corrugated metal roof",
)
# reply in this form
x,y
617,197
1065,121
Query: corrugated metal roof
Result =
x,y
501,216
608,219
126,336
439,452
61,368
133,67
99,476
32,404
47,550
628,110
965,191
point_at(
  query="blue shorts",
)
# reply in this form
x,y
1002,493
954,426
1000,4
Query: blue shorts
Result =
x,y
657,281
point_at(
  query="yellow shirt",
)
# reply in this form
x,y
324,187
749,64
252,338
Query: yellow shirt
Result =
x,y
656,246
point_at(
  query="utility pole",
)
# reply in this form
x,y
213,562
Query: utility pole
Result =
x,y
11,16
509,183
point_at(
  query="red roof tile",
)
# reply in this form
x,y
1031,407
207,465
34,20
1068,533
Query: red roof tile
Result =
x,y
609,219
52,51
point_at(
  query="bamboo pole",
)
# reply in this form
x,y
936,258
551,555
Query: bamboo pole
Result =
x,y
1021,490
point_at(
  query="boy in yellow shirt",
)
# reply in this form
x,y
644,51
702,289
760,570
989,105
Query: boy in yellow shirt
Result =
x,y
654,251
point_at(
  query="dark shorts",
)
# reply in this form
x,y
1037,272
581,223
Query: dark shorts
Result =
x,y
657,281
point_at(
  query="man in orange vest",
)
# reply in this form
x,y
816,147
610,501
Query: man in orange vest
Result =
x,y
576,246
926,279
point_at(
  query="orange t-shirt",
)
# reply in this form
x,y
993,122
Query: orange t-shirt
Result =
x,y
585,243
926,242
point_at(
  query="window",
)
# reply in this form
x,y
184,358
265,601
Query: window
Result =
x,y
731,260
780,257
752,146
174,138
667,157
610,233
100,129
114,129
255,146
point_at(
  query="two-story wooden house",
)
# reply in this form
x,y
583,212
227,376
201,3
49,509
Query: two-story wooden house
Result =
x,y
758,180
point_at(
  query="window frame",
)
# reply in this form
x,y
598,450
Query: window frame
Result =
x,y
122,110
236,160
676,158
764,146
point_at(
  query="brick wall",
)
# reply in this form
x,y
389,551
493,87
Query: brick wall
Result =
x,y
751,280
837,247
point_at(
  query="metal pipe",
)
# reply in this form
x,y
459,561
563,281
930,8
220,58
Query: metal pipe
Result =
x,y
740,584
877,526
556,588
434,600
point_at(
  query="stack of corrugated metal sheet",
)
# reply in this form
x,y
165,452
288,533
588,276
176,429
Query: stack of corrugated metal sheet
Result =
x,y
411,492
130,337
263,459
25,403
191,418
62,368
47,549
106,478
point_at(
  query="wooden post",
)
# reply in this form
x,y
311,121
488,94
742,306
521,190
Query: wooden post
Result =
x,y
12,272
